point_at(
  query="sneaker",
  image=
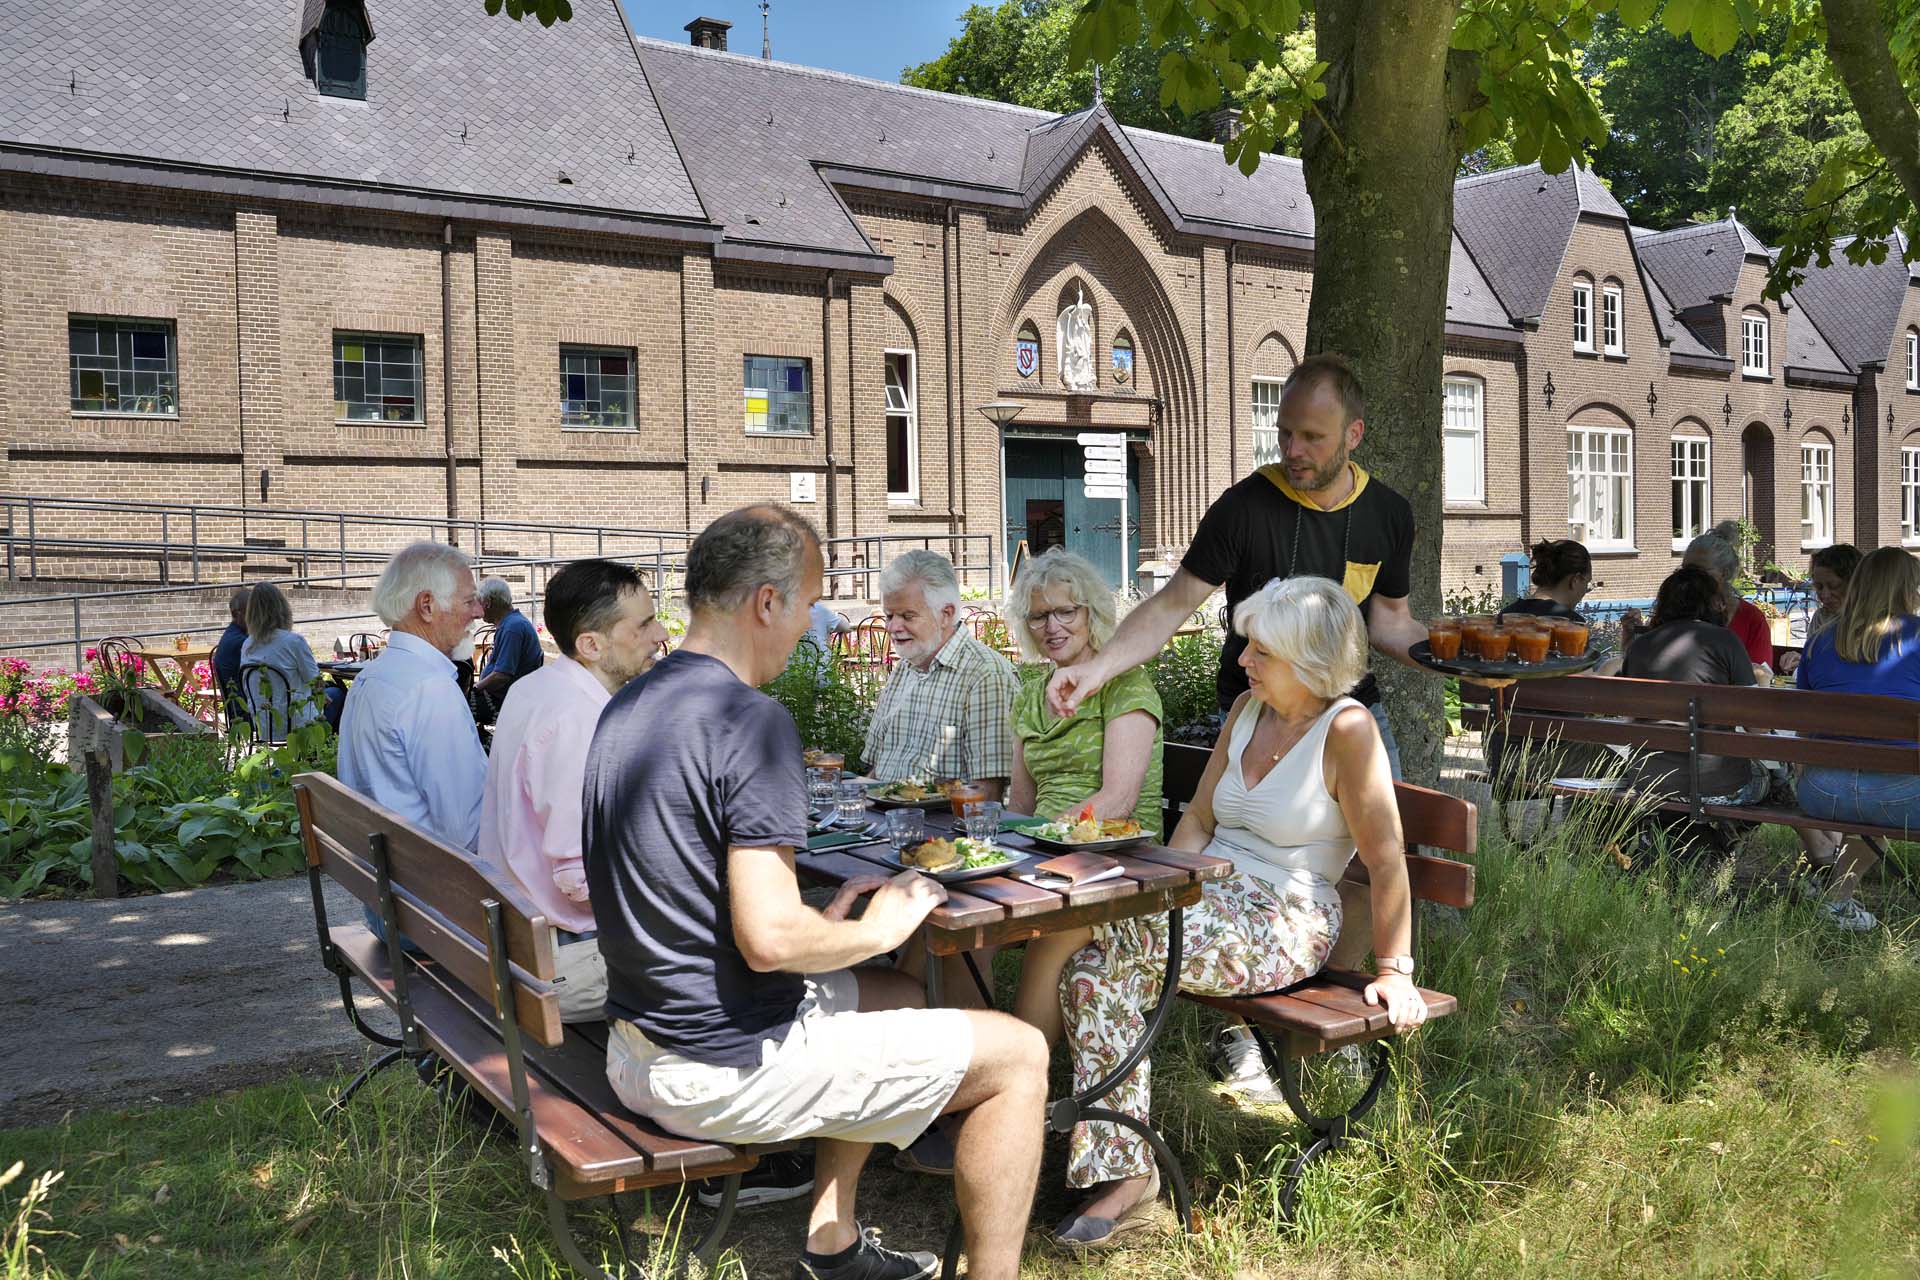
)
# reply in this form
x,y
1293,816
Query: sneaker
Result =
x,y
786,1175
1848,915
1238,1065
866,1259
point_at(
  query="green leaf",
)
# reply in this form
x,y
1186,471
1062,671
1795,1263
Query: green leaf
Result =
x,y
1678,16
1715,27
133,745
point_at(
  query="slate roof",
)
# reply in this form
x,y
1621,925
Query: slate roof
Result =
x,y
756,131
1857,308
1517,223
1470,299
1699,264
1682,341
219,86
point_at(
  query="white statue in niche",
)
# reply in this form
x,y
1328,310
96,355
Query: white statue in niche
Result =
x,y
1075,344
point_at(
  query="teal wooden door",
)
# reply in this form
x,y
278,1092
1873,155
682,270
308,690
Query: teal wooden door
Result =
x,y
1047,507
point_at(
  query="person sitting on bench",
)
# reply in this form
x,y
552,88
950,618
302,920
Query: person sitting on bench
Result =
x,y
1688,641
1562,574
737,1015
601,615
1874,647
1297,783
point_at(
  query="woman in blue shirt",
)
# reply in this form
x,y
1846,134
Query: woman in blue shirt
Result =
x,y
272,642
1873,648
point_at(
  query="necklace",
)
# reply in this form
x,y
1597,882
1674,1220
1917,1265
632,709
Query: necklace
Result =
x,y
1346,540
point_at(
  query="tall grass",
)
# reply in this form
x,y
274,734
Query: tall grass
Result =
x,y
1652,1072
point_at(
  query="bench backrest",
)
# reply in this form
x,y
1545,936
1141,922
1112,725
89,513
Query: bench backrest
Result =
x,y
1428,818
1847,730
464,914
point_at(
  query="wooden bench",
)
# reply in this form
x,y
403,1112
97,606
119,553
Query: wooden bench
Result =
x,y
478,993
1790,726
1328,1011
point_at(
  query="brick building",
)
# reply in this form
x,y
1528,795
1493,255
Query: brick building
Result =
x,y
397,256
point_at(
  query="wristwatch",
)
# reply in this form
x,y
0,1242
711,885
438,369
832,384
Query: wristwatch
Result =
x,y
1402,965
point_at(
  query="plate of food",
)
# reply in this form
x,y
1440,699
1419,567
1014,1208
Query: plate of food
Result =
x,y
951,860
910,793
1083,831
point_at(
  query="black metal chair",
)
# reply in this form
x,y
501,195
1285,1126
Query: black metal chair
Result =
x,y
364,644
269,701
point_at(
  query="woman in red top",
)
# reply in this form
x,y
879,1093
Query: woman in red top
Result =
x,y
1715,552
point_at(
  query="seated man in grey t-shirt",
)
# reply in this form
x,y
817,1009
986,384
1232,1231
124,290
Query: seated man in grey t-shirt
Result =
x,y
737,1015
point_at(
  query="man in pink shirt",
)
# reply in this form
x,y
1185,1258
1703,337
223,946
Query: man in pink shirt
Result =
x,y
602,617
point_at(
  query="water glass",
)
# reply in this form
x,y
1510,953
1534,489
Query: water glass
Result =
x,y
982,818
852,815
905,828
821,788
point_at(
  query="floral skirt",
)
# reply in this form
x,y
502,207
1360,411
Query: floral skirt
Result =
x,y
1243,937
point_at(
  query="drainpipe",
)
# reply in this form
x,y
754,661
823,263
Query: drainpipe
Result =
x,y
826,395
946,342
1233,383
446,379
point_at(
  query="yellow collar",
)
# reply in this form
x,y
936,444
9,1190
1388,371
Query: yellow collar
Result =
x,y
1278,474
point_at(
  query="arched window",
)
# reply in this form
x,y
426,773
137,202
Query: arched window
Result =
x,y
1123,358
1583,313
1755,358
1692,482
1816,492
1613,319
1026,351
1910,490
1913,360
1600,482
903,429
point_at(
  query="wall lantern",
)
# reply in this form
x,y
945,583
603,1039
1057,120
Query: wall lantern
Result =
x,y
1787,413
1726,411
1846,421
1548,390
1653,398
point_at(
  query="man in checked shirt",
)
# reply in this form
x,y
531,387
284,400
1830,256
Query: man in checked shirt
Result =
x,y
946,712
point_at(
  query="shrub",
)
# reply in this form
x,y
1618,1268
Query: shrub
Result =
x,y
1186,675
829,709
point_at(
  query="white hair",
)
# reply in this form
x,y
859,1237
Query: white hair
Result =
x,y
433,567
933,571
495,589
1312,623
1082,581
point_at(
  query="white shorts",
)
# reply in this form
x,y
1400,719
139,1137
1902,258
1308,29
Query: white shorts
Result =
x,y
834,1072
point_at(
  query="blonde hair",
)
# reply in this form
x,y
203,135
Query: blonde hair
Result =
x,y
268,611
1083,582
1883,590
1312,623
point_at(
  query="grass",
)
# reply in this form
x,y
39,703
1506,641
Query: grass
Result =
x,y
1651,1073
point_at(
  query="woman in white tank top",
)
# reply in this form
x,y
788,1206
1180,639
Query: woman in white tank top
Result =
x,y
1297,783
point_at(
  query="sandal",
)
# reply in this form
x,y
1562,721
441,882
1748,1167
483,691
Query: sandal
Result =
x,y
1081,1232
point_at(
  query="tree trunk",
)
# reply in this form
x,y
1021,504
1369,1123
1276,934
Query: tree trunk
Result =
x,y
1858,48
1380,168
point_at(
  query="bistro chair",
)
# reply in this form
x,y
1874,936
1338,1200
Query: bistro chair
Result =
x,y
269,702
364,644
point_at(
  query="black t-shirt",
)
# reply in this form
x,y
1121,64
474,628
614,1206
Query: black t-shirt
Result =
x,y
1691,652
688,760
1259,530
1540,607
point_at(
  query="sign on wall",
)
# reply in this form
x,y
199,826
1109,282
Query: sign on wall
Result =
x,y
1026,356
799,486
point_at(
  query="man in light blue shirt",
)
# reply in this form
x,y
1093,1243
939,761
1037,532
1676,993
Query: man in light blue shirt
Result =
x,y
407,739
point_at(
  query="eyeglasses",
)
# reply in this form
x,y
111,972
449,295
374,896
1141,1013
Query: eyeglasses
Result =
x,y
1064,616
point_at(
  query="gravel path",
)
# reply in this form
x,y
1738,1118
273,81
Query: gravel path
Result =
x,y
113,1003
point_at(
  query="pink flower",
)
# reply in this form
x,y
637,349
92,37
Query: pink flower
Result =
x,y
93,655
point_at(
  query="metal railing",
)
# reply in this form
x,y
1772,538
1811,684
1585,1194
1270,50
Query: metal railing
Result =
x,y
855,565
199,538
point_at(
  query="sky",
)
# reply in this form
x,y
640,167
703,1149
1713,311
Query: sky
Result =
x,y
866,37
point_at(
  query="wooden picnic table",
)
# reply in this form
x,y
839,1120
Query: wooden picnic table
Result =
x,y
183,660
1001,910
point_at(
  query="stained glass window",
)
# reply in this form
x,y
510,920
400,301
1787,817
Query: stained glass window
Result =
x,y
376,378
596,387
123,366
779,399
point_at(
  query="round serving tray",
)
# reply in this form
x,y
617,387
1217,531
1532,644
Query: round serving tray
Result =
x,y
1506,668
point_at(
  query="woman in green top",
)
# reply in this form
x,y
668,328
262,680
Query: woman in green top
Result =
x,y
1107,754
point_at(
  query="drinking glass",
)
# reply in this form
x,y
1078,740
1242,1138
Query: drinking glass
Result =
x,y
905,829
852,814
822,788
982,818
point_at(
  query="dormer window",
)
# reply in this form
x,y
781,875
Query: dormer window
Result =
x,y
335,48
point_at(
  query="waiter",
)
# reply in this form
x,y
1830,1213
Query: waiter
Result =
x,y
1316,512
